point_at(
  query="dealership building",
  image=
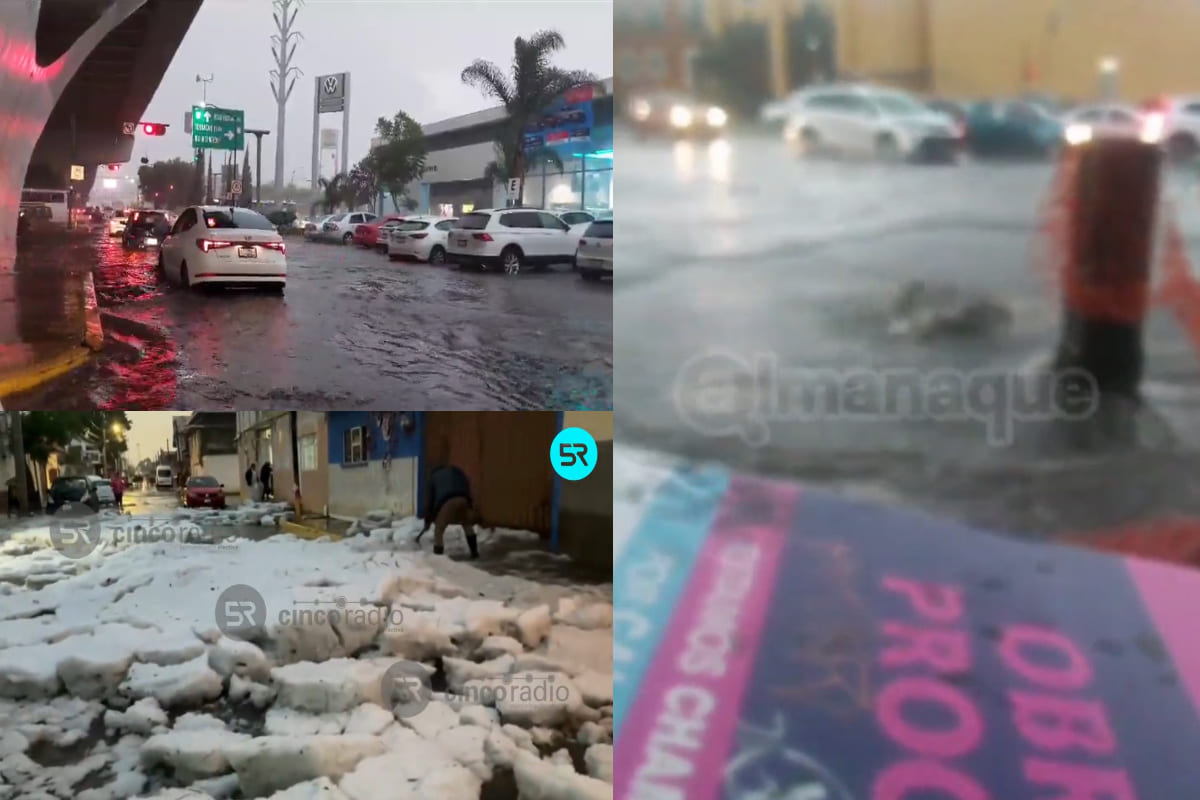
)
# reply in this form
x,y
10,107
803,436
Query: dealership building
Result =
x,y
460,149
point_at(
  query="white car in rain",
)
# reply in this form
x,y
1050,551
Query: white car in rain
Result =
x,y
577,221
864,120
313,228
341,227
222,246
420,238
594,258
1111,120
117,223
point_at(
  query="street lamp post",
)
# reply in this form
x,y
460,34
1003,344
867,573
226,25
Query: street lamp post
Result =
x,y
258,134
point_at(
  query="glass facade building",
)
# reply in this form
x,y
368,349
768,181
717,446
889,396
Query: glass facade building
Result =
x,y
586,181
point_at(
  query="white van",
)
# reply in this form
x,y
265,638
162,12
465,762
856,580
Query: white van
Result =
x,y
54,199
164,478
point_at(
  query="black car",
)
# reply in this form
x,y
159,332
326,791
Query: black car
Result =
x,y
146,229
87,490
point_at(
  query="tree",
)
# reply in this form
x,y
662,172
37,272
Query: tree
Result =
x,y
724,73
533,86
167,184
363,183
247,180
400,159
333,192
496,171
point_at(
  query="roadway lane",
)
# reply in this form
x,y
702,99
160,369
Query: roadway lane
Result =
x,y
734,251
353,331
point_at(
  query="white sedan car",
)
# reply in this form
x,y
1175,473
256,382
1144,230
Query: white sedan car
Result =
x,y
222,246
420,238
594,258
1111,120
117,223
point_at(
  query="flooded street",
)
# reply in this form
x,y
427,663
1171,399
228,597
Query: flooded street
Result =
x,y
779,268
354,330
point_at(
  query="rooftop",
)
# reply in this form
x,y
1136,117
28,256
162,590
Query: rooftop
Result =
x,y
485,117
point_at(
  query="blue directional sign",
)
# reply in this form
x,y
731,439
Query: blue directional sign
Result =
x,y
218,128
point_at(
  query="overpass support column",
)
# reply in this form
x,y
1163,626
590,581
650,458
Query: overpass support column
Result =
x,y
28,94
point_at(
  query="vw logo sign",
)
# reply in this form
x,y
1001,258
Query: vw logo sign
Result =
x,y
331,84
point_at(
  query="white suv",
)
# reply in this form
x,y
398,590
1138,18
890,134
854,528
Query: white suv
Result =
x,y
862,120
508,238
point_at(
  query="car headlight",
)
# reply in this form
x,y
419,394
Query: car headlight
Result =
x,y
641,110
1152,128
716,117
1077,133
681,116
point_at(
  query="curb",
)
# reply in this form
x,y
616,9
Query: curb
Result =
x,y
44,370
306,532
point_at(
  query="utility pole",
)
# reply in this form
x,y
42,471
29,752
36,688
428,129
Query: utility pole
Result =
x,y
18,448
206,159
283,77
258,134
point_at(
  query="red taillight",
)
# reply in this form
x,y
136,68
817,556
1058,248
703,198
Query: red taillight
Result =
x,y
208,245
481,237
280,246
419,235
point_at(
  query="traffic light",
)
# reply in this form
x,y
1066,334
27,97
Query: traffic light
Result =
x,y
114,167
154,129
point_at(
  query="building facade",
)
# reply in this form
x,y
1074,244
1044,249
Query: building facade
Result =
x,y
212,448
294,444
655,43
990,48
460,149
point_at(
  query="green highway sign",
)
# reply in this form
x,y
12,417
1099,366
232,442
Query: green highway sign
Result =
x,y
218,128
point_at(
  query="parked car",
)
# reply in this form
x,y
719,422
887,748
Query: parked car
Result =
x,y
146,229
1179,119
341,228
89,490
34,217
222,246
577,221
1111,120
952,109
864,120
367,234
507,238
676,115
594,257
420,238
1013,128
204,491
164,477
314,228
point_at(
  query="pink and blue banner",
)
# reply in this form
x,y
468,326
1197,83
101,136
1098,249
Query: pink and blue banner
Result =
x,y
807,647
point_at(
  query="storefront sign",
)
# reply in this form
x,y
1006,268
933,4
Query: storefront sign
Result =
x,y
777,637
570,120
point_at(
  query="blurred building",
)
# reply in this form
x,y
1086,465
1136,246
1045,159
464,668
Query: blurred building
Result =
x,y
655,42
1002,47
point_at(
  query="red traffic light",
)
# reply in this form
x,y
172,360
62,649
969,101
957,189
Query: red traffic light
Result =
x,y
154,128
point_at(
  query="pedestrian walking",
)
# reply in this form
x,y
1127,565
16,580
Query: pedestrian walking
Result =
x,y
118,487
266,478
251,472
448,502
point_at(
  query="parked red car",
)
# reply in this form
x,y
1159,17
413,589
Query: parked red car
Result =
x,y
204,491
367,234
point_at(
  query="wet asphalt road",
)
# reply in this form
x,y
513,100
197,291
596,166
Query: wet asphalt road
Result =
x,y
354,330
733,251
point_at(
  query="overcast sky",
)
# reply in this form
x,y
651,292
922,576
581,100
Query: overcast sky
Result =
x,y
149,431
401,54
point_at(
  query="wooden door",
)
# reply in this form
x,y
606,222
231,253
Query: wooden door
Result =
x,y
506,454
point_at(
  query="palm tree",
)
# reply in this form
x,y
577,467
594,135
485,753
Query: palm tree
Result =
x,y
335,191
534,84
496,172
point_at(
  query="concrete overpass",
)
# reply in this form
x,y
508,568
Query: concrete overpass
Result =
x,y
71,71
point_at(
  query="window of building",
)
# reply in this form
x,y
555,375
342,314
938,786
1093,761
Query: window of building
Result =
x,y
308,453
354,446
